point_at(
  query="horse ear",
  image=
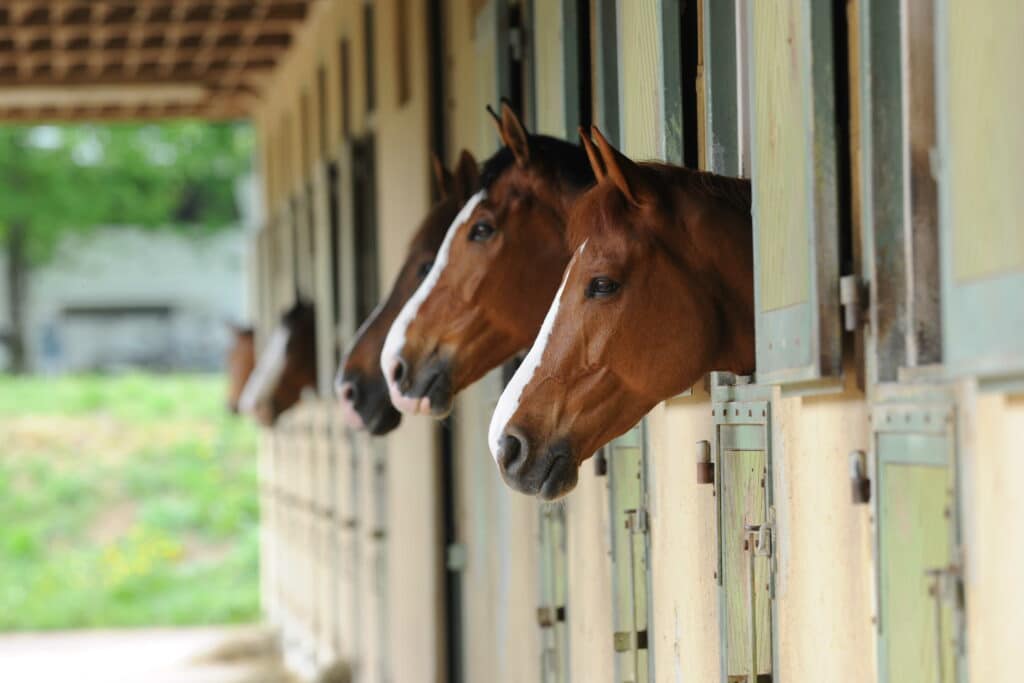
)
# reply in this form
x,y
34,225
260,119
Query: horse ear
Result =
x,y
593,155
496,118
444,179
467,176
623,171
513,134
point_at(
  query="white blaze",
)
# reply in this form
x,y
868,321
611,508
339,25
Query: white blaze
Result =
x,y
267,371
509,401
396,335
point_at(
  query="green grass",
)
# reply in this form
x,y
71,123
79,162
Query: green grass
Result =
x,y
125,501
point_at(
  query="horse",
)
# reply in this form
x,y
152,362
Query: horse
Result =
x,y
499,265
240,362
360,385
659,291
285,369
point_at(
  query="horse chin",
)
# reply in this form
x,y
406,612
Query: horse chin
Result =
x,y
549,477
560,480
384,421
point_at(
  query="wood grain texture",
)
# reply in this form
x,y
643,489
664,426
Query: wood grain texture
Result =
x,y
549,65
986,137
743,502
782,165
914,537
639,79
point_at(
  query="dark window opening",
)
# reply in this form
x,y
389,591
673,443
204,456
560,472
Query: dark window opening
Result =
x,y
583,66
402,49
345,92
304,136
364,195
321,108
369,65
844,177
334,243
438,85
689,48
517,61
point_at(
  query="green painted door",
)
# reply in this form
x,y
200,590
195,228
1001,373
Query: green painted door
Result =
x,y
919,587
795,196
746,528
981,144
630,574
551,614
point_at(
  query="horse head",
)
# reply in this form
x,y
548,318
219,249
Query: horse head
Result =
x,y
658,292
360,385
485,296
285,368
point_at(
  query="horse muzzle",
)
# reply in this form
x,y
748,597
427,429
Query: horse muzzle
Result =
x,y
547,473
366,404
427,390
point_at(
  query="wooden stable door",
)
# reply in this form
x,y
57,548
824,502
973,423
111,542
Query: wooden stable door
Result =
x,y
551,614
918,571
630,570
746,529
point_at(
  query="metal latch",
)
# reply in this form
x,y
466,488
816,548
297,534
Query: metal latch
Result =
x,y
455,557
850,300
624,641
705,468
860,484
636,520
549,616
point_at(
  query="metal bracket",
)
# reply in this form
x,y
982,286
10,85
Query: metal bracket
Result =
x,y
636,520
860,483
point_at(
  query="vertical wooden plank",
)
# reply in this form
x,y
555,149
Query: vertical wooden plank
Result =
x,y
981,143
795,193
782,174
550,70
640,68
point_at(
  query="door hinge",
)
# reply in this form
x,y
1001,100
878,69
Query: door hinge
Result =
x,y
549,616
853,300
624,641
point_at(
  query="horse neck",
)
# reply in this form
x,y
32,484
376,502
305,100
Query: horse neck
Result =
x,y
720,231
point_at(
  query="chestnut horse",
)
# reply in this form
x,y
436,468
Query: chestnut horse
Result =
x,y
485,296
240,362
660,290
360,384
285,368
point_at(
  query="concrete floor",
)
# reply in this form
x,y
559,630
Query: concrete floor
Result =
x,y
231,654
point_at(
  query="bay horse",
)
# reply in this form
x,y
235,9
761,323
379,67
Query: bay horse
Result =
x,y
499,265
360,385
285,368
659,291
240,362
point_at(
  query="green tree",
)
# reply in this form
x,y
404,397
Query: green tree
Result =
x,y
60,179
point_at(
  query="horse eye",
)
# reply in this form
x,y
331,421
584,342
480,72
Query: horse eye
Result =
x,y
424,268
481,232
602,286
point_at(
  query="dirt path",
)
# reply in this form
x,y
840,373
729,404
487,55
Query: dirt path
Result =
x,y
243,654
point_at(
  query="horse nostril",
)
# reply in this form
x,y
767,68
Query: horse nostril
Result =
x,y
349,392
512,451
399,371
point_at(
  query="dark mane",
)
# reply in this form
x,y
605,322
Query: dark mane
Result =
x,y
733,192
570,160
